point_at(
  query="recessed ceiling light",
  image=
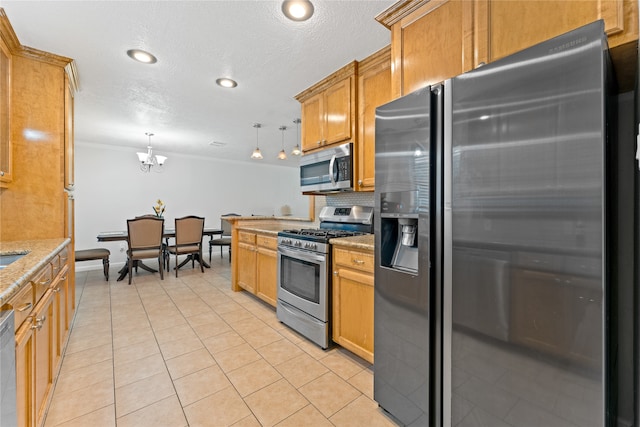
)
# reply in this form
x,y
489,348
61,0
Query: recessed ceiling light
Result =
x,y
225,82
142,56
297,10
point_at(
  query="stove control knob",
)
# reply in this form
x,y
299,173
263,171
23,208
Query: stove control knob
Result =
x,y
298,243
314,246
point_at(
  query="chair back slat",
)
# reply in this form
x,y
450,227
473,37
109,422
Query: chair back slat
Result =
x,y
225,225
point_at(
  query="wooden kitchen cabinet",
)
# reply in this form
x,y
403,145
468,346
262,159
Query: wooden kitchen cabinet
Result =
x,y
42,326
506,27
329,110
266,269
557,314
257,265
247,261
374,89
353,296
6,169
431,41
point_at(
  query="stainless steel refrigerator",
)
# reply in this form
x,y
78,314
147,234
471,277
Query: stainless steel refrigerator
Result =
x,y
491,227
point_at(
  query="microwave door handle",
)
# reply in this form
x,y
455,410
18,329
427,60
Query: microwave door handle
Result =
x,y
332,164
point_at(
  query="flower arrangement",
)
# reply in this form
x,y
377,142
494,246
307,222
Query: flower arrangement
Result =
x,y
159,208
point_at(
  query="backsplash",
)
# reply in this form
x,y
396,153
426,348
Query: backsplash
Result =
x,y
348,199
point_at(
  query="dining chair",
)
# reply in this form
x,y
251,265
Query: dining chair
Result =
x,y
144,237
188,240
225,237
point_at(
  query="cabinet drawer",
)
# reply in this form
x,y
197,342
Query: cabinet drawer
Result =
x,y
353,259
41,282
22,304
267,242
245,237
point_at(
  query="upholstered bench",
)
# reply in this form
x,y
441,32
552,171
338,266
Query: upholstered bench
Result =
x,y
92,254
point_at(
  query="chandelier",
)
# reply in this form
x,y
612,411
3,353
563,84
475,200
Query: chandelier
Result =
x,y
148,160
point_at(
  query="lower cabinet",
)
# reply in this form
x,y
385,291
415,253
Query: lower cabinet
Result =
x,y
257,265
247,261
267,269
352,306
41,331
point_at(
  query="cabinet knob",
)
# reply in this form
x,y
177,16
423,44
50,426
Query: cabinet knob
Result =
x,y
1,173
335,272
360,182
318,142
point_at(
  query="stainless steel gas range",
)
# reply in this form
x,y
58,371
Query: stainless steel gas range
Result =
x,y
304,263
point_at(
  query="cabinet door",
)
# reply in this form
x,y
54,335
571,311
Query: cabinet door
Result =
x,y
5,102
337,112
431,44
247,266
516,25
43,321
312,122
374,89
267,260
353,311
69,177
25,384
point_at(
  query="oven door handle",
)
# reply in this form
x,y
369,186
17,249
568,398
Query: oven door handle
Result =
x,y
303,255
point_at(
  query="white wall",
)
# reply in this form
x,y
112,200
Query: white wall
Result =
x,y
109,188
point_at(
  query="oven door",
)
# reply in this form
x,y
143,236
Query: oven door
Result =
x,y
302,281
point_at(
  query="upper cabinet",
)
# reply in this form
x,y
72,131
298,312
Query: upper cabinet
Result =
x,y
374,89
5,105
430,42
506,27
329,110
37,145
433,40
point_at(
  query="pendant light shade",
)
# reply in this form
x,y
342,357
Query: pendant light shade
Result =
x,y
282,155
256,153
296,150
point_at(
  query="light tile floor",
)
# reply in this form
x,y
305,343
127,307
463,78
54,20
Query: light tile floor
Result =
x,y
188,351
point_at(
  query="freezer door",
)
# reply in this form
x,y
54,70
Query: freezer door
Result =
x,y
403,246
527,326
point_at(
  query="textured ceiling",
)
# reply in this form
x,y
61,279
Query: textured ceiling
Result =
x,y
270,57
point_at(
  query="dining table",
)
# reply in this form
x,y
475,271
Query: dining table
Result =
x,y
115,236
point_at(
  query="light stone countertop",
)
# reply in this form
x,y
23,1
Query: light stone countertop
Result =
x,y
17,274
364,242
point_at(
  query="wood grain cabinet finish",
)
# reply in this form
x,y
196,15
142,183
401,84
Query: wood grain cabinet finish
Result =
x,y
43,315
374,89
352,301
257,265
247,261
6,169
433,40
329,110
266,269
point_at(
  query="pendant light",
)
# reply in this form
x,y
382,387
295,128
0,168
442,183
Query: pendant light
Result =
x,y
148,160
256,153
296,150
282,155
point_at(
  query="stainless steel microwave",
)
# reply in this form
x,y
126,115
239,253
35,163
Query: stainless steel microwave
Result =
x,y
328,170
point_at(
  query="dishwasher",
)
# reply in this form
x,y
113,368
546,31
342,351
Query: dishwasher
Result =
x,y
8,405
